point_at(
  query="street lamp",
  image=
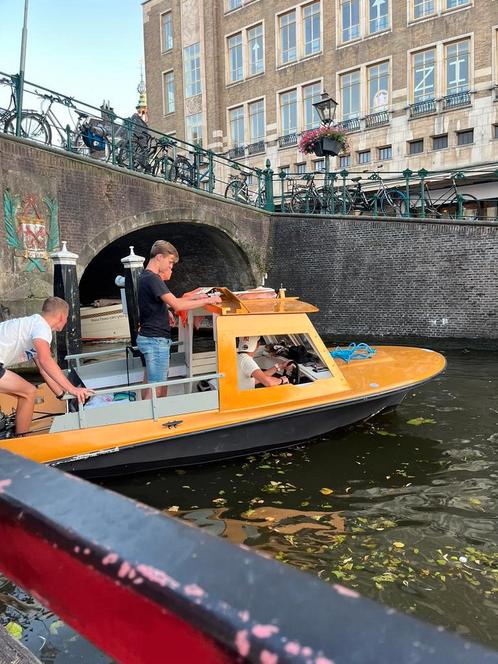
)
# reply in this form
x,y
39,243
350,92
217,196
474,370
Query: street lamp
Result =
x,y
326,108
20,78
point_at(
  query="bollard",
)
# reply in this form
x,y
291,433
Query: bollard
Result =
x,y
68,342
133,265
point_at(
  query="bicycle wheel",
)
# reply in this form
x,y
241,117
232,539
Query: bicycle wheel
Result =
x,y
393,203
471,207
164,168
33,126
303,201
236,190
80,147
184,171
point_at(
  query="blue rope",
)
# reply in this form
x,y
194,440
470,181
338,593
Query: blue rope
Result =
x,y
353,352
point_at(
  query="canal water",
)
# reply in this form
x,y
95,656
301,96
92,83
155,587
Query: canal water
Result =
x,y
402,508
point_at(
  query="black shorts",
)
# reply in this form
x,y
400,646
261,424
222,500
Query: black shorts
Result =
x,y
2,370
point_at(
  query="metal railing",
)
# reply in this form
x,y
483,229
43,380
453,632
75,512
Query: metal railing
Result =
x,y
425,107
456,100
63,122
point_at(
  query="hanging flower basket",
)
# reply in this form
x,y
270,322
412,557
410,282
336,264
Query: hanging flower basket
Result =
x,y
323,141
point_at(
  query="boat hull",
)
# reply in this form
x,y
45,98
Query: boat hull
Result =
x,y
221,443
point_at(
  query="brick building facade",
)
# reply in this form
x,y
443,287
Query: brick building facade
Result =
x,y
415,80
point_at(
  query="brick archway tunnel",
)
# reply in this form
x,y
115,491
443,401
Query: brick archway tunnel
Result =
x,y
208,256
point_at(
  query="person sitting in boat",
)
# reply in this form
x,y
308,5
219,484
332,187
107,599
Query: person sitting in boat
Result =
x,y
250,373
29,338
154,298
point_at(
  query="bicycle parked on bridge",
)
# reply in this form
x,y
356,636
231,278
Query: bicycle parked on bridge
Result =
x,y
384,200
238,189
447,204
89,136
310,199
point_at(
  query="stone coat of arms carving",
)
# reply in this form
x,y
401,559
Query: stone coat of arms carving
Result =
x,y
31,227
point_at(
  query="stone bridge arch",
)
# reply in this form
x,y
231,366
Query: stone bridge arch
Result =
x,y
213,251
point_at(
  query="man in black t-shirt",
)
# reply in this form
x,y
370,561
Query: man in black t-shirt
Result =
x,y
154,298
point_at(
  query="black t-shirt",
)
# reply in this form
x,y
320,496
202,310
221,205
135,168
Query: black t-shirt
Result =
x,y
154,319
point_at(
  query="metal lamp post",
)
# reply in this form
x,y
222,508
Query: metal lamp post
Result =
x,y
20,78
326,108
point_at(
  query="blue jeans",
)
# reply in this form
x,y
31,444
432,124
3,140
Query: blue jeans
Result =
x,y
156,353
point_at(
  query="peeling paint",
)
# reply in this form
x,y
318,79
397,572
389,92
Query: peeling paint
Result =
x,y
157,576
346,592
194,590
264,631
4,484
242,643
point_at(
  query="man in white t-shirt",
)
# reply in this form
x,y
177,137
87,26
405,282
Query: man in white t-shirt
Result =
x,y
249,372
29,338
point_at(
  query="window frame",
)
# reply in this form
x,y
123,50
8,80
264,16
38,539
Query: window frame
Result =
x,y
413,142
248,49
369,68
240,49
464,132
162,19
231,110
380,150
360,153
446,46
300,30
253,139
191,70
300,114
165,74
201,125
439,137
369,18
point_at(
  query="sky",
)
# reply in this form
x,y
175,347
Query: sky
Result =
x,y
88,49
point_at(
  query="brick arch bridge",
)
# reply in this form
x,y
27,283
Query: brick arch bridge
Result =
x,y
371,278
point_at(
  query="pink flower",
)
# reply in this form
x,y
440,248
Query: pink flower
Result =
x,y
311,137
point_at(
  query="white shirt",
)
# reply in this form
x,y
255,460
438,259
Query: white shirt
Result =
x,y
17,336
246,366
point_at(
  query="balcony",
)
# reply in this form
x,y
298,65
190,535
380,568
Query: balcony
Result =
x,y
456,100
377,119
353,124
287,140
422,108
237,152
256,148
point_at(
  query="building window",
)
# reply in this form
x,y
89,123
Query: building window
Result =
x,y
284,169
386,153
495,131
440,142
457,67
167,31
236,116
319,165
235,67
311,94
169,92
288,112
257,120
344,160
255,49
424,78
301,168
416,147
193,128
350,95
378,15
233,4
423,8
192,70
288,51
465,137
364,157
378,87
311,28
350,17
451,4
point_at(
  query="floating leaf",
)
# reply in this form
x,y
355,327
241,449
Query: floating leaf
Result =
x,y
326,491
381,432
417,421
55,627
14,629
474,501
399,545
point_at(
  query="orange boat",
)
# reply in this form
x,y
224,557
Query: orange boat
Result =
x,y
118,432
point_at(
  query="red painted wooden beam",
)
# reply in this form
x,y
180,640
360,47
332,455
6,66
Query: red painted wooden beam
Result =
x,y
146,588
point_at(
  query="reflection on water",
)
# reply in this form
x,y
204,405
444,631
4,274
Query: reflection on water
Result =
x,y
403,508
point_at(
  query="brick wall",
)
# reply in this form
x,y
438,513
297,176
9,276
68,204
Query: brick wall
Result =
x,y
391,278
369,277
